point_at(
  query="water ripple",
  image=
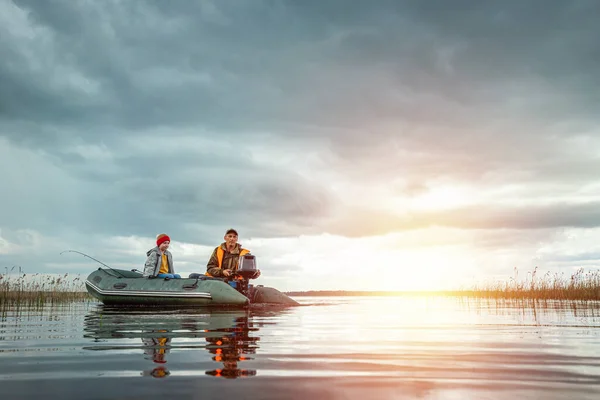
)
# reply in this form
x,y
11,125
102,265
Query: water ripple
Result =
x,y
336,348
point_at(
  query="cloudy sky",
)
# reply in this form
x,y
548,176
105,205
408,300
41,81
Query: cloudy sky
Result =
x,y
367,145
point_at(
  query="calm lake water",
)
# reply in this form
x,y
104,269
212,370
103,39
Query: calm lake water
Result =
x,y
330,348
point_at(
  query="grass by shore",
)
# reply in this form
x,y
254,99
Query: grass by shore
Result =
x,y
580,285
37,290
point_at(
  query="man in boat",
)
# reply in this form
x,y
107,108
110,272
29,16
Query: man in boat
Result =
x,y
233,348
225,258
160,260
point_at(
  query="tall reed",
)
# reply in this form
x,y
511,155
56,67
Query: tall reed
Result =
x,y
38,290
580,285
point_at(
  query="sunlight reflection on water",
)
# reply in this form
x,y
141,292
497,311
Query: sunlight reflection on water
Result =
x,y
331,348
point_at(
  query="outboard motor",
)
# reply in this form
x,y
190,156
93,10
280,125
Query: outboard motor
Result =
x,y
247,270
247,266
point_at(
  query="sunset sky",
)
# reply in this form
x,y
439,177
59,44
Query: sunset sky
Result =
x,y
393,145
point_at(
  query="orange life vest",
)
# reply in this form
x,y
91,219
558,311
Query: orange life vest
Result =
x,y
220,253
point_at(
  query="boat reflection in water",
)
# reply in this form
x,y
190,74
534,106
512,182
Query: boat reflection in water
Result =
x,y
172,339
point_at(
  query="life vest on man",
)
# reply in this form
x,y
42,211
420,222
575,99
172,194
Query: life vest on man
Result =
x,y
221,253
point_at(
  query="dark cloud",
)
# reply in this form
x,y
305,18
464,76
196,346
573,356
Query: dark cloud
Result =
x,y
538,216
193,193
266,64
361,223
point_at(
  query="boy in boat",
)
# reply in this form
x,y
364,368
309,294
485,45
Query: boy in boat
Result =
x,y
160,260
225,258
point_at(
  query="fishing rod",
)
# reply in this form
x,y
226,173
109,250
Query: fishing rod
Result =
x,y
92,258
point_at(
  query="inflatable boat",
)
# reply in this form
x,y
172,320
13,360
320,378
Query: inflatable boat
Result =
x,y
122,287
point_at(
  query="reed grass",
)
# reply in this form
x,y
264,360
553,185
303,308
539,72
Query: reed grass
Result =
x,y
580,285
20,289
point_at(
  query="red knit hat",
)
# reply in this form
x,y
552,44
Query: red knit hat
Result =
x,y
163,237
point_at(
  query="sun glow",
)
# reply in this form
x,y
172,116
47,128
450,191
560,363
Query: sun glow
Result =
x,y
365,265
435,198
441,198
